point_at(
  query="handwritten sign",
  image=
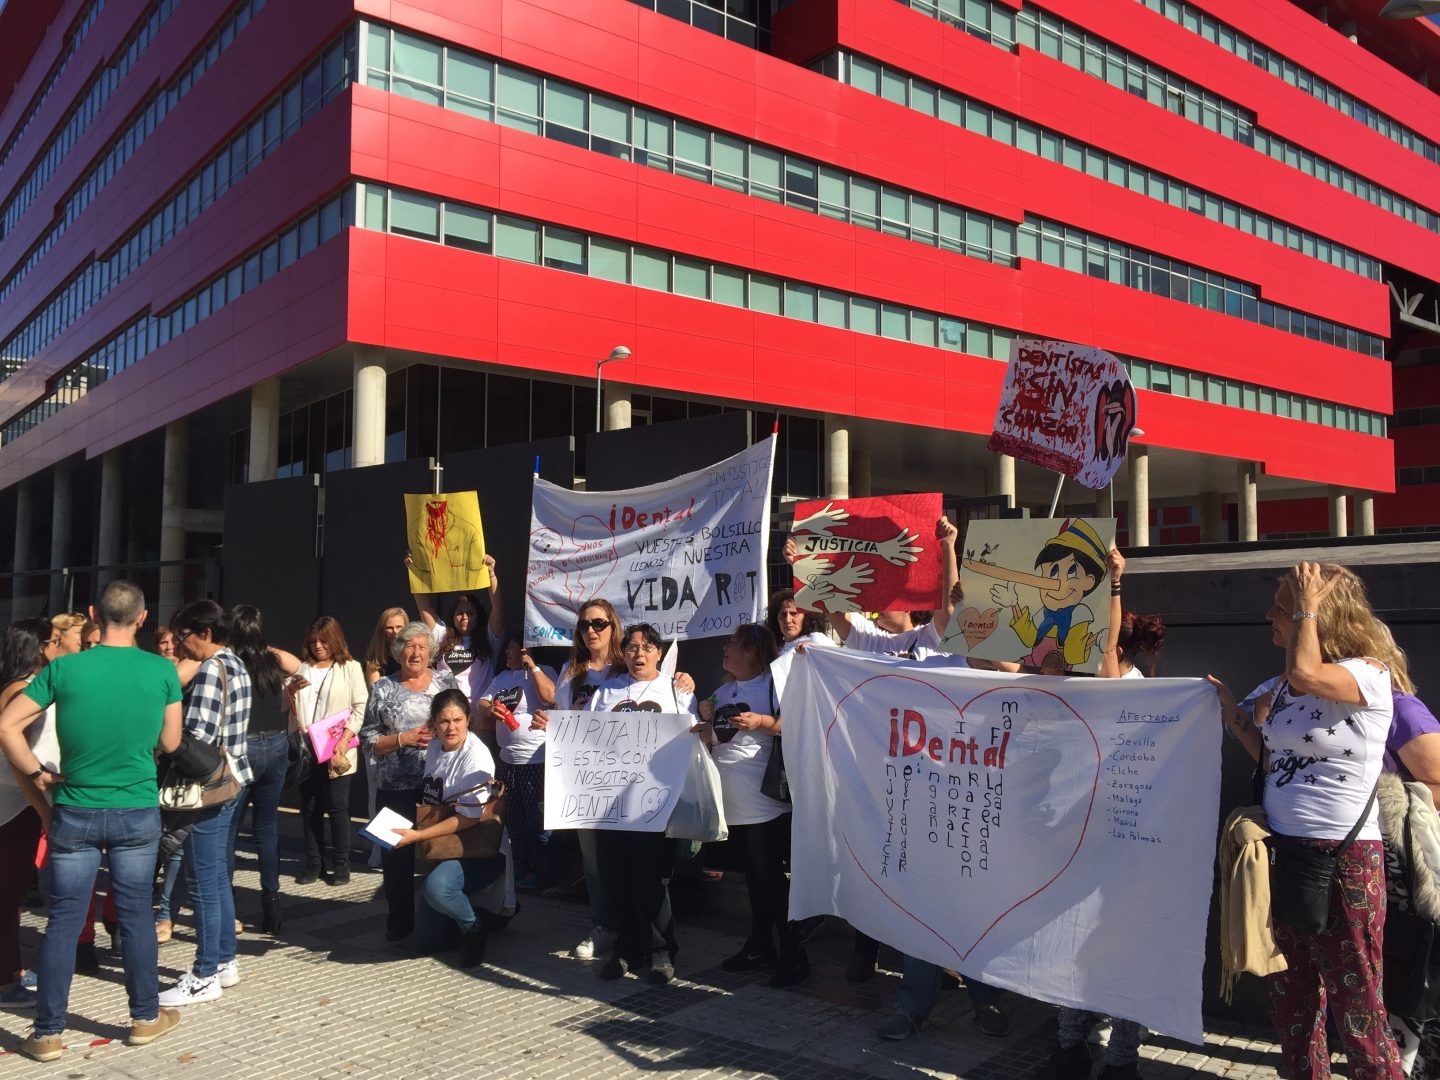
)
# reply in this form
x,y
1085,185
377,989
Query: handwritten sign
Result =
x,y
687,556
1065,407
447,542
615,770
998,824
1034,593
875,554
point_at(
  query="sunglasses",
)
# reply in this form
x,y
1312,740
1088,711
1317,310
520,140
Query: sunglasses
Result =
x,y
592,624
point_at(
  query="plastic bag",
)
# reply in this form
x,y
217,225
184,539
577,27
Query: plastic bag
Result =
x,y
699,812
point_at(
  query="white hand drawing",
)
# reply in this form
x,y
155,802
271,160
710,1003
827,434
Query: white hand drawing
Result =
x,y
830,588
1004,594
901,549
823,520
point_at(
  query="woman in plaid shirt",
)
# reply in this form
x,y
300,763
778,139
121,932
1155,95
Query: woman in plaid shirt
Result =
x,y
217,711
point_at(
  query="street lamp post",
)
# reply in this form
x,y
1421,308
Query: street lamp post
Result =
x,y
619,352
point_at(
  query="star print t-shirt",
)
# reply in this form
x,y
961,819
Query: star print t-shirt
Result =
x,y
743,755
1325,757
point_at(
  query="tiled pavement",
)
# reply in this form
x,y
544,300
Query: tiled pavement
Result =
x,y
329,998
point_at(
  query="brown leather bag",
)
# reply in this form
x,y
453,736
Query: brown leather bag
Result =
x,y
478,841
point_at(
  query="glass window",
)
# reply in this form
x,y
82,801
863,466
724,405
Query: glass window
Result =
x,y
469,84
516,240
727,286
800,182
800,302
650,269
416,68
728,156
518,97
412,214
467,227
764,294
766,166
895,322
831,309
609,259
864,315
609,119
564,249
565,105
692,277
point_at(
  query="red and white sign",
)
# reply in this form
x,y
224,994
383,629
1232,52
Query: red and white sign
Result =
x,y
1069,408
875,554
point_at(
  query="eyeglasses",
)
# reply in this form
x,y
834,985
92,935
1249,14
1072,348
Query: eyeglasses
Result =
x,y
55,640
637,649
593,624
182,635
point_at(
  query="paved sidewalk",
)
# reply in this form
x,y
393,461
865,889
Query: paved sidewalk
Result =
x,y
329,998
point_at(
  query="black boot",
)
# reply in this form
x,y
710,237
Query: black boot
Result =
x,y
1071,1063
269,912
309,875
472,945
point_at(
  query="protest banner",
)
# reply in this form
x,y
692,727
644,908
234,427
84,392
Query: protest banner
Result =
x,y
1033,593
1051,836
447,542
1069,408
873,554
615,770
687,555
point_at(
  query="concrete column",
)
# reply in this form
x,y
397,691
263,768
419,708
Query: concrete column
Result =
x,y
617,406
60,521
861,477
1211,520
1004,477
369,412
265,429
1339,515
837,457
1247,502
174,495
1105,502
1364,513
1139,513
107,546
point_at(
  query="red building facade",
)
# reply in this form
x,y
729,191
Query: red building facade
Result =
x,y
259,238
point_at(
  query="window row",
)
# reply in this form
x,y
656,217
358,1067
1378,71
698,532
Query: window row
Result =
x,y
149,332
1079,49
80,116
1282,67
127,142
415,214
734,20
1135,268
1429,474
76,37
475,85
280,118
975,116
1164,379
1420,416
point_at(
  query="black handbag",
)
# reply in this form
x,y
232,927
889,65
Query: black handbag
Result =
x,y
1411,955
775,784
194,759
1301,877
300,760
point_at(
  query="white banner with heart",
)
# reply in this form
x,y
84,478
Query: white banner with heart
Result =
x,y
615,770
1052,836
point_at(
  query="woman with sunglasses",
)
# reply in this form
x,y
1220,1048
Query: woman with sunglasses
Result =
x,y
741,720
634,866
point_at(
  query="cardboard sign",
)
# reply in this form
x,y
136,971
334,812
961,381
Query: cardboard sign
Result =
x,y
1069,408
687,556
875,554
998,825
1034,593
615,770
447,543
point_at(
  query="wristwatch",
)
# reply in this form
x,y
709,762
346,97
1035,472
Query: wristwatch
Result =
x,y
37,773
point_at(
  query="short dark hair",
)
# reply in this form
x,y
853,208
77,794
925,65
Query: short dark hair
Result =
x,y
22,649
757,636
201,615
446,698
646,631
121,604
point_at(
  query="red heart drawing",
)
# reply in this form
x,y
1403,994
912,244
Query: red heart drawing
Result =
x,y
1045,730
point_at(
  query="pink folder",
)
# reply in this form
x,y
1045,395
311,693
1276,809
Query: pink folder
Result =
x,y
325,735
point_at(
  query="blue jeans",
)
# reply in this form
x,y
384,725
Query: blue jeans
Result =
x,y
207,872
449,884
130,840
172,894
268,754
920,990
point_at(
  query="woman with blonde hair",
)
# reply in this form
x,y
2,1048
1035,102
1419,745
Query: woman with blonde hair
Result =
x,y
70,625
1322,744
379,659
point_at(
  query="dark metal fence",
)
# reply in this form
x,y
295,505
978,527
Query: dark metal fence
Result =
x,y
28,593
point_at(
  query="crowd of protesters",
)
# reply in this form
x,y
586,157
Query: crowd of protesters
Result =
x,y
444,711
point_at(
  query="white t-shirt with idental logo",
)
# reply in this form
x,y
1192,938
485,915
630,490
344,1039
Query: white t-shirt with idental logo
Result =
x,y
1325,757
516,690
743,755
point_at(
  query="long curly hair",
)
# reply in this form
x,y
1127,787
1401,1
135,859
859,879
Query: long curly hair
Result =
x,y
1349,628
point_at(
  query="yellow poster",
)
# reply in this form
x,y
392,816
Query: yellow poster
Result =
x,y
447,543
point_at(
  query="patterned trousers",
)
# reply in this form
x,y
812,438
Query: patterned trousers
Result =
x,y
1338,968
524,812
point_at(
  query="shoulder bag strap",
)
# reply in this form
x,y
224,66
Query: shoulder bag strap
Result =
x,y
454,800
1359,824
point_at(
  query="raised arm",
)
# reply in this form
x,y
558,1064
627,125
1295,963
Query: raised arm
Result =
x,y
497,605
947,533
1305,664
1110,658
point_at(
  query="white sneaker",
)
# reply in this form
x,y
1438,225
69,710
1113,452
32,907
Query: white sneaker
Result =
x,y
599,941
228,974
191,990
